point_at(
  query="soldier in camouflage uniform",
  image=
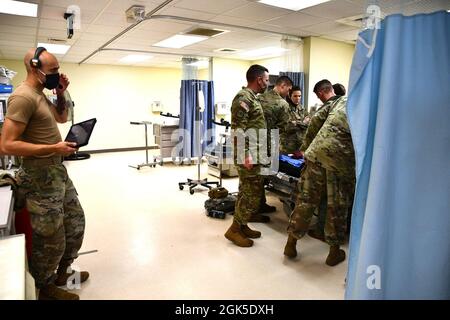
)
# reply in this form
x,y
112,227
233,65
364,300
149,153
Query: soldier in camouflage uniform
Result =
x,y
276,108
44,187
247,116
276,114
316,123
330,169
297,124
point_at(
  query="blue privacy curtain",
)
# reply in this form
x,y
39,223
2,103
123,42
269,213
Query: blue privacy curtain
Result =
x,y
399,114
194,93
298,79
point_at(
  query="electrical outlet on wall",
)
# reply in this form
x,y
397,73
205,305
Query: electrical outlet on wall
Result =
x,y
157,106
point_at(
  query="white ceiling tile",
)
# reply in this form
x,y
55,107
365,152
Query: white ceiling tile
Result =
x,y
164,25
186,13
5,44
109,19
96,36
272,27
215,7
16,37
88,43
336,9
383,4
233,20
130,46
257,12
145,34
106,30
89,5
13,20
328,28
18,30
297,20
53,24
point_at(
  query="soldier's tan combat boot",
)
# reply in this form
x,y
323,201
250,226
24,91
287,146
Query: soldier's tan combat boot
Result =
x,y
290,249
335,256
235,235
249,233
63,276
52,292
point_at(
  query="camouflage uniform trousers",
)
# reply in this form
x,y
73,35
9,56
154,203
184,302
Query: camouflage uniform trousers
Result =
x,y
347,189
57,219
249,196
314,181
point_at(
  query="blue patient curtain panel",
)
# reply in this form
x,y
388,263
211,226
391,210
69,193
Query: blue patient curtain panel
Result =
x,y
192,94
399,114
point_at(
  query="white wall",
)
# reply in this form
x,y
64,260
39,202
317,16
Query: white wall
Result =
x,y
115,95
330,60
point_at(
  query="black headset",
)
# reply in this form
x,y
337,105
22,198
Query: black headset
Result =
x,y
35,62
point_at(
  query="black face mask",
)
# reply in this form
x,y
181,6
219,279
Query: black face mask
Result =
x,y
51,80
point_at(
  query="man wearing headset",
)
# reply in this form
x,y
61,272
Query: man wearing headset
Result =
x,y
44,188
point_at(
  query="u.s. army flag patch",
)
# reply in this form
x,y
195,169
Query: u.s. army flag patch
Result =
x,y
244,106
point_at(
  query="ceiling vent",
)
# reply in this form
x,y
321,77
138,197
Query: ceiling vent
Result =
x,y
204,32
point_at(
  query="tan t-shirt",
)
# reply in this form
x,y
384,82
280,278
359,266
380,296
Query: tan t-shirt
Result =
x,y
31,107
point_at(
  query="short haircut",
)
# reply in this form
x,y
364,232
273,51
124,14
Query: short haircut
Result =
x,y
339,89
283,80
294,88
254,72
322,85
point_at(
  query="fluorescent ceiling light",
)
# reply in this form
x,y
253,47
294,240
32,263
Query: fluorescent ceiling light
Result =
x,y
18,8
263,52
295,5
134,58
179,41
55,48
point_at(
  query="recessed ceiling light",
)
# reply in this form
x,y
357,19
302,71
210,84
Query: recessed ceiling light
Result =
x,y
263,53
295,5
19,8
54,48
179,41
134,58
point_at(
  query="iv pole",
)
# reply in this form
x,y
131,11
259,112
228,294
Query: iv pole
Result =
x,y
191,183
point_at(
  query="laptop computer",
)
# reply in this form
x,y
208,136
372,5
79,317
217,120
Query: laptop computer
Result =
x,y
80,133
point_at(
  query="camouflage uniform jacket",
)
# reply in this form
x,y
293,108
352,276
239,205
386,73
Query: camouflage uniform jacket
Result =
x,y
333,145
295,128
317,121
247,113
276,113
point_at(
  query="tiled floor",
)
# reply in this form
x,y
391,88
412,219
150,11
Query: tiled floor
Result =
x,y
155,242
